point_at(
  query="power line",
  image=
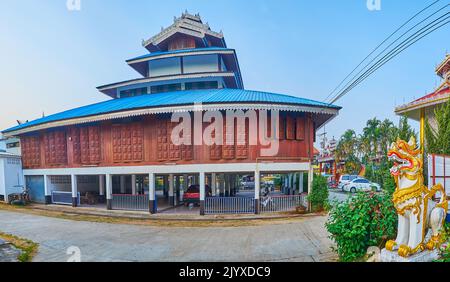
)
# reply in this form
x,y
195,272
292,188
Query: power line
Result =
x,y
379,45
352,80
397,50
385,60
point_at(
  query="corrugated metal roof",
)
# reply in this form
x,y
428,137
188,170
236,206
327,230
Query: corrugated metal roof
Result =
x,y
154,54
178,98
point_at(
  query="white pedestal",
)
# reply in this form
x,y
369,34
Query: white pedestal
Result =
x,y
425,256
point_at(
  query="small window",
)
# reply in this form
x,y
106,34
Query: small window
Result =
x,y
201,85
345,177
165,88
133,92
12,145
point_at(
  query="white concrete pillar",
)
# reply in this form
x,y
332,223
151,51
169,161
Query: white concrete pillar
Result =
x,y
152,194
47,190
185,181
257,190
74,190
310,180
101,184
213,184
108,178
202,193
286,183
133,184
301,183
171,191
122,184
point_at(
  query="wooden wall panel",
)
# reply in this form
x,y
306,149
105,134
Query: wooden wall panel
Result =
x,y
55,147
228,151
174,150
137,142
282,127
94,144
76,145
147,142
300,128
242,134
31,151
128,142
163,142
290,128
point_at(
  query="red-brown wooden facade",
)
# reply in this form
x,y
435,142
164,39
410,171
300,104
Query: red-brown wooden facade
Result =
x,y
147,141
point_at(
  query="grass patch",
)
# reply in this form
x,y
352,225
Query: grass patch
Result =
x,y
216,222
28,247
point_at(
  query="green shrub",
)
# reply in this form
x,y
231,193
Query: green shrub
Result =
x,y
319,194
367,219
445,248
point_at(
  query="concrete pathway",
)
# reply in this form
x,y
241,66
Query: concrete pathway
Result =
x,y
302,239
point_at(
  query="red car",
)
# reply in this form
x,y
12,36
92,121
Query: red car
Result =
x,y
192,194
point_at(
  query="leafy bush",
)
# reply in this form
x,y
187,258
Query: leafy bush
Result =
x,y
380,174
319,194
445,248
367,219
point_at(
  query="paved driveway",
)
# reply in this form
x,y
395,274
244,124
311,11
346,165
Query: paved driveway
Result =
x,y
296,240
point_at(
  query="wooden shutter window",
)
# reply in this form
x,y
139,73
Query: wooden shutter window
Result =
x,y
290,130
31,151
300,130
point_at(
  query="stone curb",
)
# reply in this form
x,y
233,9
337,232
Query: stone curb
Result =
x,y
158,217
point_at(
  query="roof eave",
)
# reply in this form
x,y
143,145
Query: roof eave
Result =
x,y
319,110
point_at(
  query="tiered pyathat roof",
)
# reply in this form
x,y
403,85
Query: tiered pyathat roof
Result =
x,y
190,25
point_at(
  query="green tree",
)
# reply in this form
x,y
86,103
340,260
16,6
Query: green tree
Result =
x,y
319,194
347,145
404,131
438,140
352,165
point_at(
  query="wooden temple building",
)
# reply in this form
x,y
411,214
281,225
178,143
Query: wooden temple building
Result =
x,y
121,150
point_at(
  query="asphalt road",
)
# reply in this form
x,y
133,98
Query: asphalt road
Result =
x,y
302,239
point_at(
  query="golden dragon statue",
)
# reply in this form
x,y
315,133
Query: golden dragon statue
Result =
x,y
420,217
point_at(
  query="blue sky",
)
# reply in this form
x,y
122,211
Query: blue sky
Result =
x,y
52,59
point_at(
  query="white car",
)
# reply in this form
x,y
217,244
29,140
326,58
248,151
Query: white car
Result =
x,y
345,179
361,184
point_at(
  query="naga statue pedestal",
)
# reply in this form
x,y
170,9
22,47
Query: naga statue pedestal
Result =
x,y
425,256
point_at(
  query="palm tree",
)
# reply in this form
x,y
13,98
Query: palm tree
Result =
x,y
347,145
387,132
372,133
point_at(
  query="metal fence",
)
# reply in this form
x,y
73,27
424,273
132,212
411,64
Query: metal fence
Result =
x,y
130,202
229,205
282,203
63,198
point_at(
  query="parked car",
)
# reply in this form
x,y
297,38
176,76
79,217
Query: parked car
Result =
x,y
345,179
248,185
361,184
192,194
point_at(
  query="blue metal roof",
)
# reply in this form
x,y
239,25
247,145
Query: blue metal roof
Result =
x,y
177,98
154,54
